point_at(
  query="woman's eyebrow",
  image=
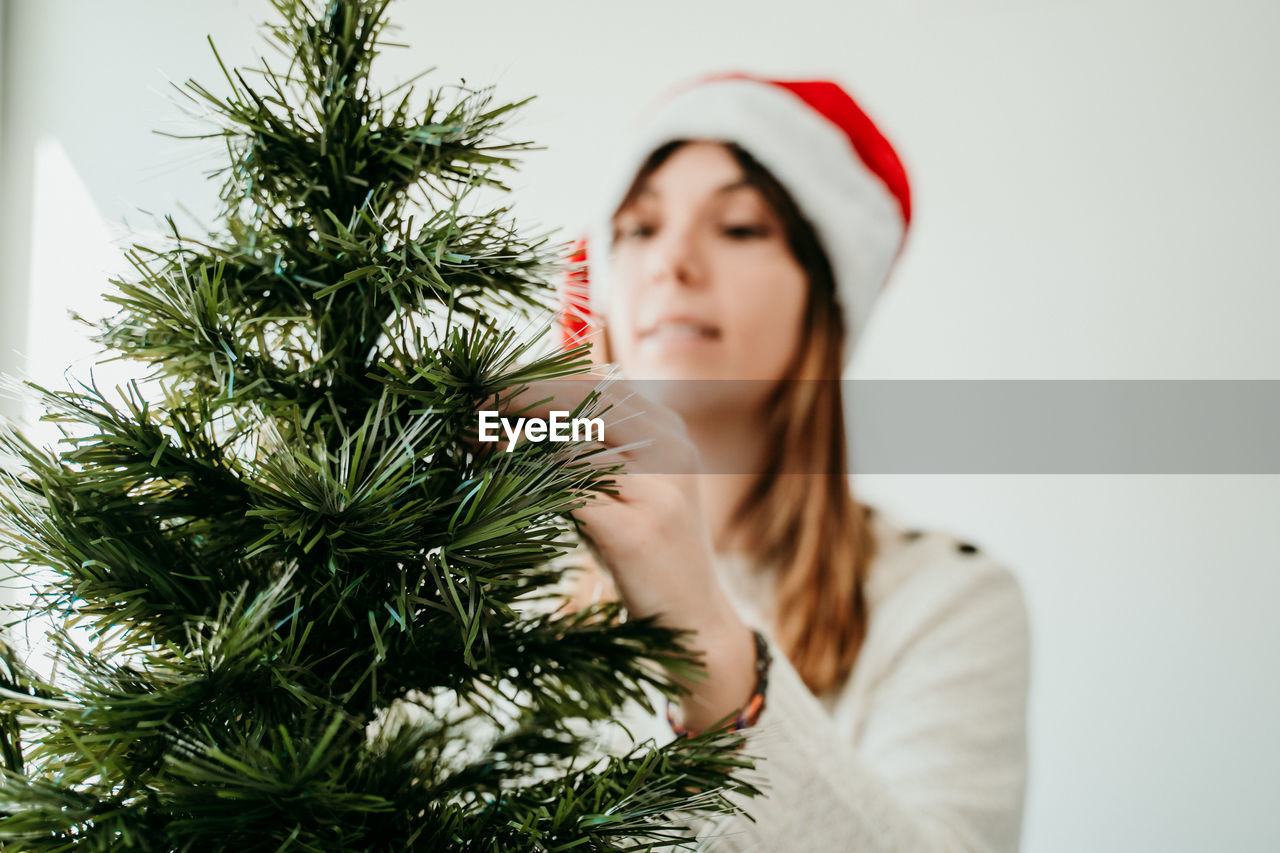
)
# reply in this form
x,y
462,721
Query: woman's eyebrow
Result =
x,y
741,183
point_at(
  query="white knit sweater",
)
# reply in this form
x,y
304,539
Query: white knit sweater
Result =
x,y
924,747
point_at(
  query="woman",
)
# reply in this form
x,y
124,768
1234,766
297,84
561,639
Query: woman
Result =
x,y
879,674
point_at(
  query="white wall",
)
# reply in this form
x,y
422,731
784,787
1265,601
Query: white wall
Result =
x,y
12,313
1097,194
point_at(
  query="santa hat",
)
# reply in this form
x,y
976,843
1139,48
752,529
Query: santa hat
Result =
x,y
813,137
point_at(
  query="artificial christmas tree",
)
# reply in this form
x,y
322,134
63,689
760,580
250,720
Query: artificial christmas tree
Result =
x,y
295,607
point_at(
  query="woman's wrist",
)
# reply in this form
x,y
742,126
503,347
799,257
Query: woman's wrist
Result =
x,y
730,657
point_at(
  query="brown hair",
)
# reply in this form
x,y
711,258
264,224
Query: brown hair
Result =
x,y
800,514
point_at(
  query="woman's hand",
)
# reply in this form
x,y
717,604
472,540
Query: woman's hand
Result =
x,y
652,537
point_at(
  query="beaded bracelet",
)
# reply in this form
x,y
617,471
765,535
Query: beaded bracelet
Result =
x,y
755,702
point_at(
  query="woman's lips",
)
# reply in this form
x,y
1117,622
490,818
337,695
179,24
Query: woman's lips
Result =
x,y
679,332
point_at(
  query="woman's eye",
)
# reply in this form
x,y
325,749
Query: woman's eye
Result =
x,y
634,231
745,232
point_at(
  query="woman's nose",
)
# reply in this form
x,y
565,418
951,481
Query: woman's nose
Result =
x,y
675,257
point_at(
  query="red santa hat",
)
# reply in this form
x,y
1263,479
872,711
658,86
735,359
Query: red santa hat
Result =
x,y
813,137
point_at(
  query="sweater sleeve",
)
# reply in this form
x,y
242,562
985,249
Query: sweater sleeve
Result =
x,y
940,762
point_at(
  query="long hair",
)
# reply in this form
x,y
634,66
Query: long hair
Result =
x,y
800,516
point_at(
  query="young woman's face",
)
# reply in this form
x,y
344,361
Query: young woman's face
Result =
x,y
706,286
